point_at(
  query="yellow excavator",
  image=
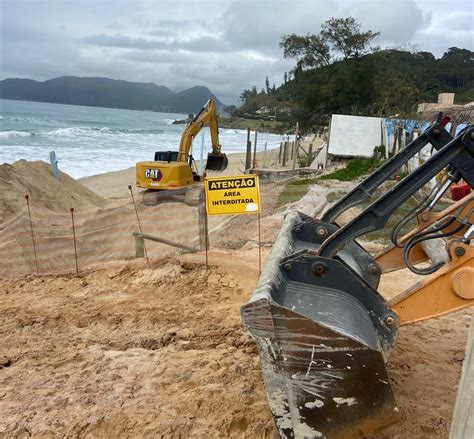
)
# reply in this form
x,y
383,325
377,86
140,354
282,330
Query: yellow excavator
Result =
x,y
176,170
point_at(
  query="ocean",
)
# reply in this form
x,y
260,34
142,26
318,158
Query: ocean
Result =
x,y
93,140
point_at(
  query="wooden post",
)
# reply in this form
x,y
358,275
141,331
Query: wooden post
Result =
x,y
292,149
139,224
462,426
285,152
310,154
202,220
279,154
265,155
74,239
259,247
139,245
255,151
295,146
27,198
248,157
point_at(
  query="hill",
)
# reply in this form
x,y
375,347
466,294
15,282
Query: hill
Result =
x,y
106,92
383,83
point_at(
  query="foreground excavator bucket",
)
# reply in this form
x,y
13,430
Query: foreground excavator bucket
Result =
x,y
216,162
323,342
323,331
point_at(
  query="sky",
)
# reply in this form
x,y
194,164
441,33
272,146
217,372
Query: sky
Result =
x,y
225,45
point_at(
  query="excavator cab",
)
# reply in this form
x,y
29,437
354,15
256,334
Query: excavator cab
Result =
x,y
166,156
217,162
323,331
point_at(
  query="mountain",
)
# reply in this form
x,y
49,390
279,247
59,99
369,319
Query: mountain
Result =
x,y
105,92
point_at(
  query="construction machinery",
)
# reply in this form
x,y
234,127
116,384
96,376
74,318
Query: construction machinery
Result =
x,y
323,331
176,170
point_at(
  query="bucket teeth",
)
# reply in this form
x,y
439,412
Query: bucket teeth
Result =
x,y
323,340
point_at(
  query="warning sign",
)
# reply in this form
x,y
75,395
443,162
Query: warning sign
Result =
x,y
232,195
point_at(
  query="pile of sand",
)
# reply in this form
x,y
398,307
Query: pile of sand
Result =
x,y
103,228
45,191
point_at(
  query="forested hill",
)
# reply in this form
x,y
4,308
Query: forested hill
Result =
x,y
105,92
385,83
339,70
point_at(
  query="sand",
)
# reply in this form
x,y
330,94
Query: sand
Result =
x,y
129,351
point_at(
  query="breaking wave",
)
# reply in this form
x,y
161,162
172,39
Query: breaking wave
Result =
x,y
74,131
14,133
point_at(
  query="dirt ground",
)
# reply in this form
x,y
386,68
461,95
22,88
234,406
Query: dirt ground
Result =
x,y
126,351
129,351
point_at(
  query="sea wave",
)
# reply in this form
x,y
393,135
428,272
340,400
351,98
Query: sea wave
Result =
x,y
14,133
93,130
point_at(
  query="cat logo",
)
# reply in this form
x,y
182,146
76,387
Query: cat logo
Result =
x,y
153,174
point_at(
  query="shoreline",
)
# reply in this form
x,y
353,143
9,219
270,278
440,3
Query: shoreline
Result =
x,y
114,184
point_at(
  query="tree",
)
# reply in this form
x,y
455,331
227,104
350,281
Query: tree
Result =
x,y
285,78
398,94
267,85
310,51
339,38
345,38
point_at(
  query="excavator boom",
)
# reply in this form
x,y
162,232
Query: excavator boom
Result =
x,y
216,161
323,331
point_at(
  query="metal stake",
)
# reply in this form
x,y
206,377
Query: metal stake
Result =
x,y
139,224
27,198
206,228
74,239
255,152
259,248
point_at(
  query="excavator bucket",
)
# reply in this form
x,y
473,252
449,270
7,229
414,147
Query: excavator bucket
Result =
x,y
323,331
216,162
324,335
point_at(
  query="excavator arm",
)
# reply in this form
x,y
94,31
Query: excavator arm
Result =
x,y
207,116
323,331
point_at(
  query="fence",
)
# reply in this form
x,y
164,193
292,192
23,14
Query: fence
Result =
x,y
47,245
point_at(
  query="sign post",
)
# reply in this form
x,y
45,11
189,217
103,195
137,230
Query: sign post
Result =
x,y
234,195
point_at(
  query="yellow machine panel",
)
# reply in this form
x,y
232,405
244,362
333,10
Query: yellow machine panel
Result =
x,y
163,175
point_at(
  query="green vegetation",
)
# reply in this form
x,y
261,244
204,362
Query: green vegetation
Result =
x,y
296,189
338,70
293,191
354,169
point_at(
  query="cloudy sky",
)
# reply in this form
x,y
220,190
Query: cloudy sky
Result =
x,y
225,45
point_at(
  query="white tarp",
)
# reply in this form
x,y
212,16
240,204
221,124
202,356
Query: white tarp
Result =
x,y
354,135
